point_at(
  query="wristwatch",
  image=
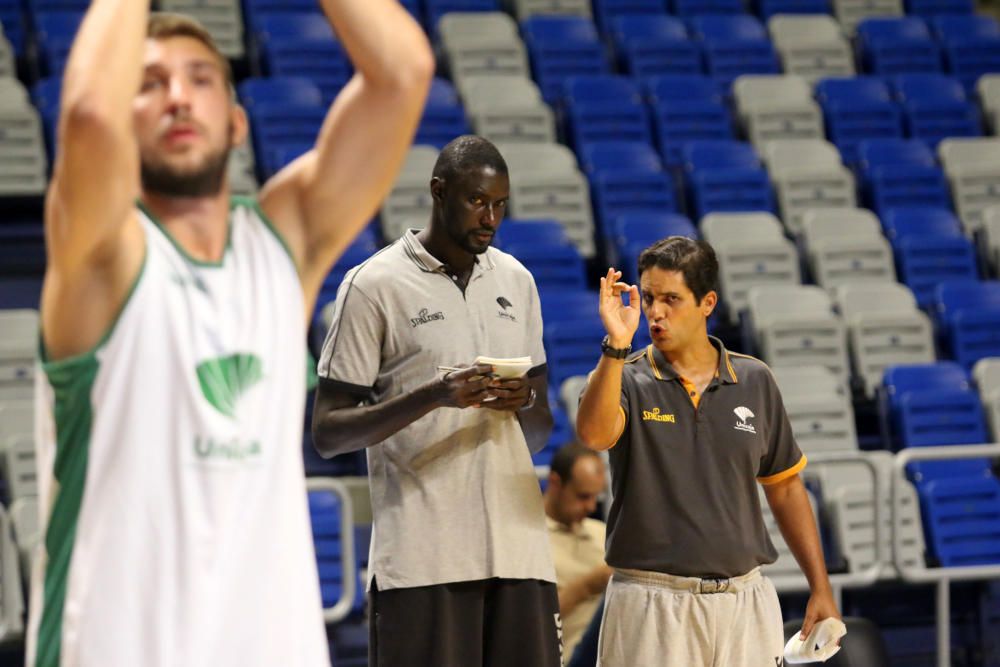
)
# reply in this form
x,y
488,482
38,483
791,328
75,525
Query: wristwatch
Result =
x,y
614,352
530,403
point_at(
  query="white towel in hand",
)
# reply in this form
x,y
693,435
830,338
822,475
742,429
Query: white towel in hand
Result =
x,y
819,646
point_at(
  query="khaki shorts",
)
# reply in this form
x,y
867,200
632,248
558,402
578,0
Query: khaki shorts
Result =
x,y
659,620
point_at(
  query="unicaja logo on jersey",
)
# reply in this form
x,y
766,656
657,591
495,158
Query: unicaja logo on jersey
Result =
x,y
224,380
744,414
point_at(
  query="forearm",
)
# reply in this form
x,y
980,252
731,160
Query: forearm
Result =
x,y
536,421
383,41
342,430
794,515
599,411
104,68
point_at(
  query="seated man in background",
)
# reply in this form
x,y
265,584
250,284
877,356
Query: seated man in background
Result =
x,y
576,478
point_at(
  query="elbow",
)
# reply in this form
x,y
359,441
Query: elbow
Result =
x,y
324,445
590,437
88,115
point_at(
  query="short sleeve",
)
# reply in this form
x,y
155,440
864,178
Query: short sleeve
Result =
x,y
352,351
783,458
536,343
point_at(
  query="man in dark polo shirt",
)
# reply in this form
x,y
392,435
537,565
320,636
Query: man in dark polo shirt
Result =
x,y
692,428
461,571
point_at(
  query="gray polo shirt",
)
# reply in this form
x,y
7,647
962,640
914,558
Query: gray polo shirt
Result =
x,y
454,495
685,468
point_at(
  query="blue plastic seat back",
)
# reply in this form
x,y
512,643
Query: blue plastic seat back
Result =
x,y
956,295
700,7
607,11
836,92
719,154
962,28
900,223
768,8
532,232
294,91
897,45
605,155
601,88
324,512
961,518
874,153
624,29
932,405
435,9
892,186
728,28
938,7
55,33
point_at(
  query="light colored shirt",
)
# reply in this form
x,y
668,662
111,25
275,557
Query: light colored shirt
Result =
x,y
576,551
454,494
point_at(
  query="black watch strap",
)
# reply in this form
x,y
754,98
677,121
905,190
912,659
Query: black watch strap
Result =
x,y
614,352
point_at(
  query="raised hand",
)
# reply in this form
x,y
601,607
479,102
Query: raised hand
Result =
x,y
620,321
465,388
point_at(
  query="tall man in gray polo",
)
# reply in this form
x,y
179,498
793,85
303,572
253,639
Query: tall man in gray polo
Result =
x,y
692,428
461,573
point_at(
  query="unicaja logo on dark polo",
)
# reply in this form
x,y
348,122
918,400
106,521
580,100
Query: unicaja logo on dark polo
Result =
x,y
424,317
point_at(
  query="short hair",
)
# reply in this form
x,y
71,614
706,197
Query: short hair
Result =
x,y
164,25
695,260
566,457
466,153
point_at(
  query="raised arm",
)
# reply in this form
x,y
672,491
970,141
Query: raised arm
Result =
x,y
599,421
322,200
95,245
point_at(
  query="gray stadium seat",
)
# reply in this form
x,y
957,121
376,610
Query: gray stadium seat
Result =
x,y
18,347
27,532
851,12
11,596
849,500
18,462
885,328
222,18
794,325
811,46
569,394
973,170
845,246
508,109
482,43
987,375
752,250
784,572
807,174
22,151
819,408
545,183
409,202
242,179
13,94
991,237
988,89
777,107
8,66
525,8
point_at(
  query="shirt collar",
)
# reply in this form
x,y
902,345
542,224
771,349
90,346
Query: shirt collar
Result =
x,y
559,527
431,264
663,370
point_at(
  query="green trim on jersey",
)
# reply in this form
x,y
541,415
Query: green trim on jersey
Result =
x,y
180,249
72,380
253,203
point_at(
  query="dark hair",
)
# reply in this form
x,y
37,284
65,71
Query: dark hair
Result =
x,y
695,260
465,153
164,25
566,457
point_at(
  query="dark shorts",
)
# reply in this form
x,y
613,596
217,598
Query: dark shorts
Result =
x,y
490,622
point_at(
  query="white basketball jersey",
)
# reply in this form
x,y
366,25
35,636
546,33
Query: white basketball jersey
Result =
x,y
171,481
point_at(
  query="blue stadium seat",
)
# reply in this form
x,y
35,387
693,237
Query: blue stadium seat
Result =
x,y
971,46
616,155
765,9
444,116
900,172
324,512
686,107
553,265
435,9
12,20
254,8
939,7
855,109
632,233
968,314
654,45
300,44
281,131
55,33
890,46
293,91
562,432
626,177
725,176
570,344
936,107
929,248
46,95
363,247
932,405
961,519
527,232
606,11
734,44
560,47
700,7
604,107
